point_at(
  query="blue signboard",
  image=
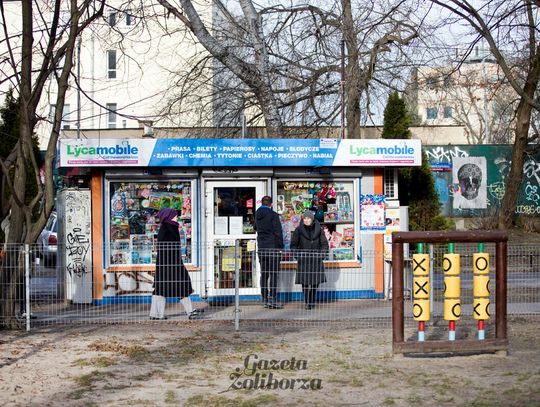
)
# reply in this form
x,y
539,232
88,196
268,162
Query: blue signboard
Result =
x,y
238,152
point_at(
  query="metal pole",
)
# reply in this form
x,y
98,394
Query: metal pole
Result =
x,y
27,284
342,88
243,124
236,286
79,89
486,111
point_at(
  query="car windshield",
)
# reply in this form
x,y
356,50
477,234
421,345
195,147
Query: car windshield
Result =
x,y
51,224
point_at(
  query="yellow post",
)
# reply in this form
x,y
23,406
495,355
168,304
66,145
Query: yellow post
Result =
x,y
421,287
452,290
481,289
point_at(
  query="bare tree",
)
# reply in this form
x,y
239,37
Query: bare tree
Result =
x,y
286,61
40,50
510,28
253,74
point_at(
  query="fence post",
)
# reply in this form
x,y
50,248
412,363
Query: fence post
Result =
x,y
431,265
398,325
27,284
236,286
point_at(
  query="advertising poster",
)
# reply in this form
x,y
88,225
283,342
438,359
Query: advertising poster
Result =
x,y
393,224
373,213
470,182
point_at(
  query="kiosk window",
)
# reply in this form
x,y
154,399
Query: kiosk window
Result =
x,y
234,209
332,203
134,223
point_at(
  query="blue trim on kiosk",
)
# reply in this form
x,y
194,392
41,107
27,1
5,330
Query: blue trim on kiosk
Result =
x,y
324,296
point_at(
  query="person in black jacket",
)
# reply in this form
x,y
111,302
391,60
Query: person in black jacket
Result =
x,y
310,247
270,243
171,278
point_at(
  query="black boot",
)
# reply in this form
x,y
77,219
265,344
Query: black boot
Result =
x,y
273,304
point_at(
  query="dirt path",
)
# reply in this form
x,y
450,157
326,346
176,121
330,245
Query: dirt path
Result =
x,y
207,364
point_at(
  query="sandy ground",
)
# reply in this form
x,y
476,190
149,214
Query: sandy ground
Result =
x,y
208,364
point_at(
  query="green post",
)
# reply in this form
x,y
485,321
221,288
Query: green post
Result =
x,y
421,248
450,247
480,247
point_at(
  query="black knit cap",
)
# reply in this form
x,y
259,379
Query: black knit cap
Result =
x,y
309,214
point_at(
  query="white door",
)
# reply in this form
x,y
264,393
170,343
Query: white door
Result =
x,y
230,219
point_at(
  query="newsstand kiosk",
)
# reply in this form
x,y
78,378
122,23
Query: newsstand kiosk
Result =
x,y
216,186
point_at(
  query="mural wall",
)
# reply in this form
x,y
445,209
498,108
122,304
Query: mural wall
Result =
x,y
470,179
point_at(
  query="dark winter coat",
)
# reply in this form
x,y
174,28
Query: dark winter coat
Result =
x,y
171,279
268,227
310,248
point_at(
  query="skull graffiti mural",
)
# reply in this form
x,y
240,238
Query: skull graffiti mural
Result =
x,y
469,176
470,179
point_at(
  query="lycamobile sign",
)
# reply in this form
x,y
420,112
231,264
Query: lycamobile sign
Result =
x,y
183,152
380,150
113,150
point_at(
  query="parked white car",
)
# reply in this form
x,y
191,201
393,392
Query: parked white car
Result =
x,y
48,241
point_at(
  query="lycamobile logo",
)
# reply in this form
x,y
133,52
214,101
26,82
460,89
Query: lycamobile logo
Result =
x,y
380,150
116,150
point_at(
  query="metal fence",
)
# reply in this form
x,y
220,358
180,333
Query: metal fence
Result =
x,y
38,290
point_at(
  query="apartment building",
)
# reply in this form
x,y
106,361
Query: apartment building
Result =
x,y
472,95
127,68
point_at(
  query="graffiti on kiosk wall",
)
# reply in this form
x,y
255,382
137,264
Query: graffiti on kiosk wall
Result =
x,y
77,235
497,166
127,283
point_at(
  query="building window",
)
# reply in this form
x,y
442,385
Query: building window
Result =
x,y
390,183
63,18
112,18
431,113
111,115
52,111
431,82
448,81
65,117
447,112
111,64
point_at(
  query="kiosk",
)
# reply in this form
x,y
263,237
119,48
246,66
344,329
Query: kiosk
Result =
x,y
216,185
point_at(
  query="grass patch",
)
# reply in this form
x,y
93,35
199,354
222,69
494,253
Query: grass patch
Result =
x,y
116,345
137,353
170,397
415,399
86,382
479,403
147,375
88,379
100,361
140,402
239,401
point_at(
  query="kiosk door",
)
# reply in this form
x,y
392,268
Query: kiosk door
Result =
x,y
230,220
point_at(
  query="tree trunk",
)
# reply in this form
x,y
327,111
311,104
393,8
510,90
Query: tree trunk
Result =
x,y
12,285
256,77
515,177
352,82
523,125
